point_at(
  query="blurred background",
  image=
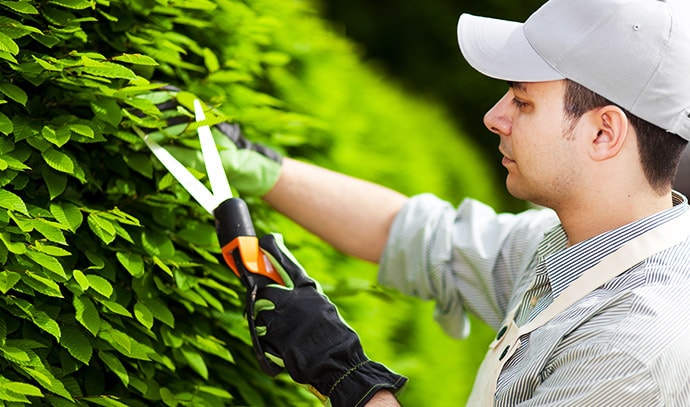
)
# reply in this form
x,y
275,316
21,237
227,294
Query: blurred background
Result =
x,y
414,43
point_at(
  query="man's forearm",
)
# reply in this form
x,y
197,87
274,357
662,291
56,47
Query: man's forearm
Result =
x,y
351,214
383,398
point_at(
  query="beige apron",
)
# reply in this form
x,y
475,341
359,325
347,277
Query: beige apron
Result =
x,y
507,341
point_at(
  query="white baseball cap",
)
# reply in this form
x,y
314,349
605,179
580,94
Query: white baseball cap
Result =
x,y
635,53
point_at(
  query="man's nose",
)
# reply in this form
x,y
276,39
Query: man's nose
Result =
x,y
497,119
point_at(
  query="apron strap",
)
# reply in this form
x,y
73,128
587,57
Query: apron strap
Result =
x,y
624,258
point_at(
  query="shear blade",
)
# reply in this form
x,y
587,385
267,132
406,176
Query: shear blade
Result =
x,y
214,166
196,189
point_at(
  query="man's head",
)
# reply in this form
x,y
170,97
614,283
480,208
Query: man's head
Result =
x,y
634,54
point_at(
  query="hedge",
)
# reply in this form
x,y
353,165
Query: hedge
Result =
x,y
112,289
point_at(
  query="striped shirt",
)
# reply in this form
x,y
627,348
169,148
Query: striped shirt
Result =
x,y
624,344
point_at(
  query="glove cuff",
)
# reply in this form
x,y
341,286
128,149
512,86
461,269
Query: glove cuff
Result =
x,y
359,384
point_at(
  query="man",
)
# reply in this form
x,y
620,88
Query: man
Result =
x,y
596,116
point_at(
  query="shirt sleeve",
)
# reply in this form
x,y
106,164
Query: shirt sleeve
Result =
x,y
469,258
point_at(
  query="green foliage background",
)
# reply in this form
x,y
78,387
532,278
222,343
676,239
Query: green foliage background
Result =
x,y
112,293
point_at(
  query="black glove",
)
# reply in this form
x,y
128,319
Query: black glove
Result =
x,y
297,327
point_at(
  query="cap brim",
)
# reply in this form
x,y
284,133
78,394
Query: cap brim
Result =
x,y
499,49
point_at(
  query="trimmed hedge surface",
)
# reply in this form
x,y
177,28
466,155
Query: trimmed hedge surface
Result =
x,y
112,292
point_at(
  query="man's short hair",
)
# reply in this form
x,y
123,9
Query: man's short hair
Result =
x,y
659,150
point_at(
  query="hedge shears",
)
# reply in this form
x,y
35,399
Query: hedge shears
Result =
x,y
234,227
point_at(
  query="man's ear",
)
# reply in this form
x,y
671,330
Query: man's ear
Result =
x,y
611,125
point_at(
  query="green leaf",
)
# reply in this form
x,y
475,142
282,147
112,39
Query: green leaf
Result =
x,y
100,285
116,308
87,314
115,366
120,341
216,391
48,262
122,232
15,354
24,224
3,254
137,59
77,344
107,110
97,261
42,62
210,299
8,57
82,130
39,317
14,164
73,4
48,40
14,92
50,230
6,126
81,279
55,181
158,262
13,247
195,361
160,311
143,314
8,279
101,227
132,262
168,397
109,70
51,250
122,217
58,138
213,346
43,285
105,401
67,214
48,324
140,163
210,60
12,201
21,388
46,379
21,7
7,44
59,160
157,243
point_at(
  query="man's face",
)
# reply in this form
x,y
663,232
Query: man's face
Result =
x,y
537,143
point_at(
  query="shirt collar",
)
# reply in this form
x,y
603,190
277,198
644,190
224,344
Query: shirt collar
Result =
x,y
564,264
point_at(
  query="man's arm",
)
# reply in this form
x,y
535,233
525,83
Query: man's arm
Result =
x,y
353,215
384,398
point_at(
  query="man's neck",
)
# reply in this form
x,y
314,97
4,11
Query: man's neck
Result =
x,y
586,221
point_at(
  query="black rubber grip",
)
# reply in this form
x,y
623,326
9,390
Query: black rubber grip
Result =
x,y
233,220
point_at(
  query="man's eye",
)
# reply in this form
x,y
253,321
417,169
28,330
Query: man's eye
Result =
x,y
518,103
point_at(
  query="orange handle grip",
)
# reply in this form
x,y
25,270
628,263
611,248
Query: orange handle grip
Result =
x,y
252,260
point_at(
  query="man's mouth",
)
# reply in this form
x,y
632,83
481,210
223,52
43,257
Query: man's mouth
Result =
x,y
506,160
